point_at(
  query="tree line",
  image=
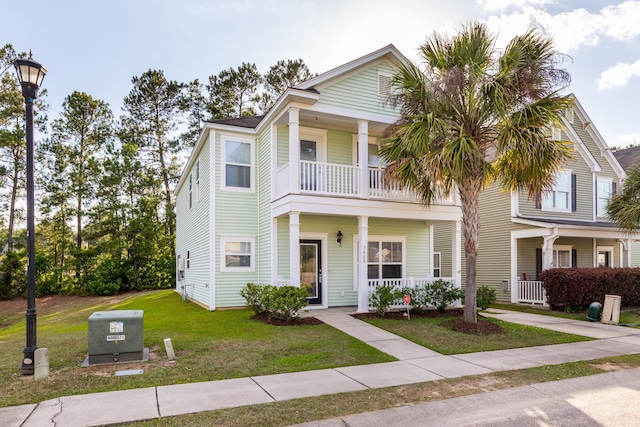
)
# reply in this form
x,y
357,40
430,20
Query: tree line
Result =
x,y
104,184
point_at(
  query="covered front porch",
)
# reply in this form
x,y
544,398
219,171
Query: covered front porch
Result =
x,y
557,245
344,258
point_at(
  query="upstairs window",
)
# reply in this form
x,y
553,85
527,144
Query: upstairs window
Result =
x,y
238,160
560,198
190,191
198,181
604,191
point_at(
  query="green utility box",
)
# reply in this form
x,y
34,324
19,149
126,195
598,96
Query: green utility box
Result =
x,y
116,336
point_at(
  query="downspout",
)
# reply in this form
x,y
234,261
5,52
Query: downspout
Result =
x,y
545,249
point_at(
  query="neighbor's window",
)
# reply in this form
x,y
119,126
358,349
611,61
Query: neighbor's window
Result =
x,y
604,191
237,156
560,197
562,256
237,254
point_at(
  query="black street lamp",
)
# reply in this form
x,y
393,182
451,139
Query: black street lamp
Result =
x,y
30,74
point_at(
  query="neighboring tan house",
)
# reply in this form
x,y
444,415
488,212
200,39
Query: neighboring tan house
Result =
x,y
568,227
298,197
629,158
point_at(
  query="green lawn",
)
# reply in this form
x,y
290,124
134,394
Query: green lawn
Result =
x,y
208,345
430,333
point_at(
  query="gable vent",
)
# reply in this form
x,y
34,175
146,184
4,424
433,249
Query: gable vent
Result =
x,y
384,85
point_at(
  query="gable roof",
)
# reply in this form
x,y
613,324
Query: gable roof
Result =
x,y
605,151
389,52
243,122
628,158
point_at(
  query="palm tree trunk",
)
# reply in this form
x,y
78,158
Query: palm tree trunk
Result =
x,y
469,194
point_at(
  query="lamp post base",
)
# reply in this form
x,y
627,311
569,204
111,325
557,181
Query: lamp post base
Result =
x,y
27,367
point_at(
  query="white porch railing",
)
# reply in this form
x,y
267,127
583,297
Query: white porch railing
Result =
x,y
531,292
398,284
329,178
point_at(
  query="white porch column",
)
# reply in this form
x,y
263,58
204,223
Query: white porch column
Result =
x,y
363,156
547,250
294,150
626,252
456,255
294,249
363,285
514,270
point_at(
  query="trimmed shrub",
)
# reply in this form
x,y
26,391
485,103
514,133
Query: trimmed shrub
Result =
x,y
442,293
485,296
382,298
284,302
579,287
419,298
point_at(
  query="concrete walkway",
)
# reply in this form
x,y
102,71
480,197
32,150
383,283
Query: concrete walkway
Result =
x,y
415,364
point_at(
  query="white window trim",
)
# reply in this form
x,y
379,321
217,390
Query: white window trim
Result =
x,y
569,198
605,249
569,114
190,191
598,181
223,170
378,238
556,249
197,186
372,141
223,254
433,264
556,133
320,138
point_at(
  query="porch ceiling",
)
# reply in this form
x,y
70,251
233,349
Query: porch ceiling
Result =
x,y
332,121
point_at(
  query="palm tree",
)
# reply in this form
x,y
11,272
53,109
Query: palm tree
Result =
x,y
624,208
471,115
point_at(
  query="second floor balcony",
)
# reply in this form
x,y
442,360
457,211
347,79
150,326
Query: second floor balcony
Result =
x,y
338,180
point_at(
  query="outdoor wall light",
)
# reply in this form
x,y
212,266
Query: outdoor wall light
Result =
x,y
339,238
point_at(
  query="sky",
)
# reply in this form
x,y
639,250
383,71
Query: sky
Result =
x,y
98,46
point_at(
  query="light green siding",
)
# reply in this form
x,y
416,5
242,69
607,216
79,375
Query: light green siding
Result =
x,y
358,92
197,275
442,243
339,147
263,178
236,216
283,146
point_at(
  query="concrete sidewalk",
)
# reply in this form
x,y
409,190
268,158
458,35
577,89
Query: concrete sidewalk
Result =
x,y
416,364
600,400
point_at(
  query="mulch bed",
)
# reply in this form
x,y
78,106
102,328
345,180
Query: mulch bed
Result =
x,y
305,321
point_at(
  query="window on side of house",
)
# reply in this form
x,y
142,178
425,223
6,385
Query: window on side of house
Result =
x,y
604,191
238,161
385,259
190,191
198,181
237,254
436,264
559,198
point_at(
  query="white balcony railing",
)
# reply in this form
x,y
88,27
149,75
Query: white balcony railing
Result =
x,y
329,178
333,179
531,292
398,284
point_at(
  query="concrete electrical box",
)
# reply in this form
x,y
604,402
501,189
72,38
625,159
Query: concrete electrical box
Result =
x,y
116,336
